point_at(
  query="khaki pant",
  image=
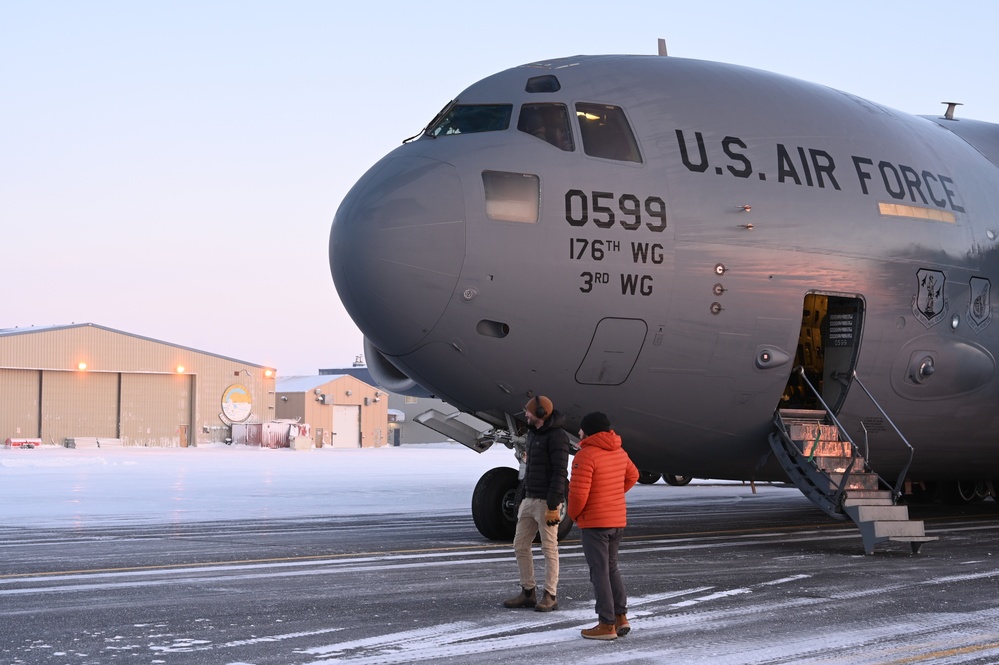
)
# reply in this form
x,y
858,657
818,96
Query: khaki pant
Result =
x,y
531,520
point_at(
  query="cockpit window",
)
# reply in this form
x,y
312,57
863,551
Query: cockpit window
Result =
x,y
546,83
471,119
548,122
606,133
512,197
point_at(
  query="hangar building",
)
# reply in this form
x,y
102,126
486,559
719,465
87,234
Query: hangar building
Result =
x,y
403,428
85,381
342,410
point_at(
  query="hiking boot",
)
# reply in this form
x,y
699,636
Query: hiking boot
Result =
x,y
622,625
525,599
602,631
547,603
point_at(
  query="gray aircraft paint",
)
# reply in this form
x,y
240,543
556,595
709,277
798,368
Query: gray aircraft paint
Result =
x,y
772,188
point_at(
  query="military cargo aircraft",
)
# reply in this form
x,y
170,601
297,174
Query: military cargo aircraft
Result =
x,y
755,277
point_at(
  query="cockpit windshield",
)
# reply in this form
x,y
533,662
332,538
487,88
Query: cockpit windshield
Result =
x,y
548,122
606,132
471,119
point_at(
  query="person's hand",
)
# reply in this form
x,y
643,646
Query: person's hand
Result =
x,y
552,517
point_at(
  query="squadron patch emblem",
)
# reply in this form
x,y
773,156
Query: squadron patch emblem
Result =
x,y
929,304
980,304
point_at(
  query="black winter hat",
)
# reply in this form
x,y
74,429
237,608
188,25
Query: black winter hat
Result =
x,y
593,423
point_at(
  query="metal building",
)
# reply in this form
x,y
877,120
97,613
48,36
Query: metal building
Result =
x,y
402,410
343,411
85,381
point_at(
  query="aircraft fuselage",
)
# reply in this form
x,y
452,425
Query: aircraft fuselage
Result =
x,y
668,280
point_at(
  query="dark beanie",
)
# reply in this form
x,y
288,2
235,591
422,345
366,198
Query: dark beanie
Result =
x,y
593,423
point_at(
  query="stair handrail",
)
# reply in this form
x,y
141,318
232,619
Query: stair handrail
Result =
x,y
833,506
846,476
897,489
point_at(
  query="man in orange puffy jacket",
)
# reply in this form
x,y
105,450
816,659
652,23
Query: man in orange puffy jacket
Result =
x,y
601,473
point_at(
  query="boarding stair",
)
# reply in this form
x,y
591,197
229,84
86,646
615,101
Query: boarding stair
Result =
x,y
827,466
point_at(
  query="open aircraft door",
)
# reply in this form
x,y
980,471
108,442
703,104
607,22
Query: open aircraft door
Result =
x,y
811,445
828,347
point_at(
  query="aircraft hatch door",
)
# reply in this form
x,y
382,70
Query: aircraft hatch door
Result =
x,y
828,346
613,352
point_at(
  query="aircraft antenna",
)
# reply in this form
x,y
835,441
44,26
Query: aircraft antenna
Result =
x,y
951,107
662,47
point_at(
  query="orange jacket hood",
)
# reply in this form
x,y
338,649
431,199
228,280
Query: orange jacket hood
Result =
x,y
606,440
601,473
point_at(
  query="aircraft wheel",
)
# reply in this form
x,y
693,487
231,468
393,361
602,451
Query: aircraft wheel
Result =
x,y
964,491
565,526
648,477
973,491
677,481
494,503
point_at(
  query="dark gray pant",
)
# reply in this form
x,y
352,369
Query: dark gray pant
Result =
x,y
600,549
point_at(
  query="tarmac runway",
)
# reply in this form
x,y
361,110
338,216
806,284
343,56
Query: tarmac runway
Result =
x,y
715,574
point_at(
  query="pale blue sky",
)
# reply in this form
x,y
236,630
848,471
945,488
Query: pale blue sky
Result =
x,y
171,169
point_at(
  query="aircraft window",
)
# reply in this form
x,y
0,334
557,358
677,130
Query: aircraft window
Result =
x,y
548,122
546,83
606,133
471,119
512,197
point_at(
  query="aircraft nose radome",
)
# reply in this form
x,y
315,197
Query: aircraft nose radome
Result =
x,y
397,247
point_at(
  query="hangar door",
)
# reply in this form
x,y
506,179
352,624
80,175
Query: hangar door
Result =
x,y
79,404
346,426
155,409
20,389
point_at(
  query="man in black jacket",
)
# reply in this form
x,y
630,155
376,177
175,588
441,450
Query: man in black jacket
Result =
x,y
544,487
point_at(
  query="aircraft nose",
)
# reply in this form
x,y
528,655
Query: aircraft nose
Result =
x,y
396,249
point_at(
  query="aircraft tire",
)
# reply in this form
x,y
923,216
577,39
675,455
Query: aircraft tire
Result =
x,y
564,527
962,492
494,504
677,481
648,477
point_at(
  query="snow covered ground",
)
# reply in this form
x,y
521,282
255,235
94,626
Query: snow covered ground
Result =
x,y
796,593
87,487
